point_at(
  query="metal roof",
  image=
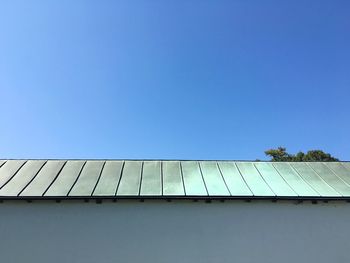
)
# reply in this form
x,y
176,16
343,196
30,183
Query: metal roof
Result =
x,y
120,179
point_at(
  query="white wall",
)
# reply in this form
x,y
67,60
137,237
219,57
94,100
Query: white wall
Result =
x,y
174,232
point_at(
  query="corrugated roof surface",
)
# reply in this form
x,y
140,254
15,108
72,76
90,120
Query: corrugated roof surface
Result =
x,y
69,179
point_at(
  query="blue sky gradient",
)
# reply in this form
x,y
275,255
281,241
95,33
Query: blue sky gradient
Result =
x,y
173,79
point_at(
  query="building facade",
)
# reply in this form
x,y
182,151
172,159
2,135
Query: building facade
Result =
x,y
173,211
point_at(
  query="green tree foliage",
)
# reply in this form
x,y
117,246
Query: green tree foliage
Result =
x,y
281,155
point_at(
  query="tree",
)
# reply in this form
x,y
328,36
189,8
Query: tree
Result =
x,y
281,155
318,155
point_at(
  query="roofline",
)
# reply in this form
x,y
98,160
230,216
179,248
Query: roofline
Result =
x,y
151,159
136,194
176,198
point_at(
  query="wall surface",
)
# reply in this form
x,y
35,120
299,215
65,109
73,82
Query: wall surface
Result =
x,y
174,232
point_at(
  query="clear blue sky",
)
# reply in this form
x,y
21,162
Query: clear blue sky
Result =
x,y
173,79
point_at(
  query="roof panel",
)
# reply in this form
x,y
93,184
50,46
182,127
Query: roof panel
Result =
x,y
22,178
108,183
172,178
274,179
43,179
297,183
151,178
254,180
66,179
328,176
314,180
130,181
340,170
234,179
193,181
9,169
213,179
88,179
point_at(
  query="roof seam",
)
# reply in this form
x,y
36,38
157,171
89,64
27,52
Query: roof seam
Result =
x,y
140,183
120,177
161,178
239,171
182,178
76,179
98,179
223,178
205,185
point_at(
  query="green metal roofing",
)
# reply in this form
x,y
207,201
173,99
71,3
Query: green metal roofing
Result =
x,y
71,179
